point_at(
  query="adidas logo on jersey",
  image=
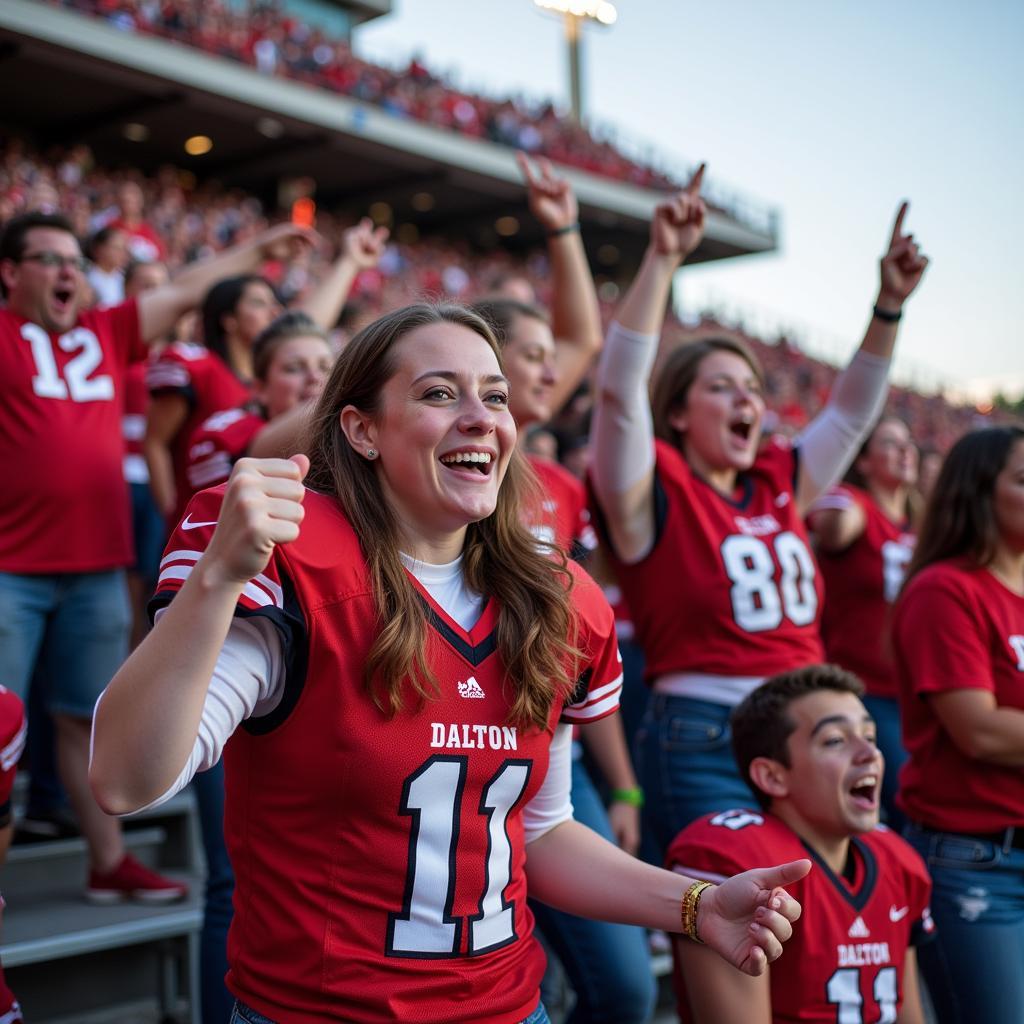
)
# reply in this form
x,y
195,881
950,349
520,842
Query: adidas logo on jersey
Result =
x,y
471,689
858,930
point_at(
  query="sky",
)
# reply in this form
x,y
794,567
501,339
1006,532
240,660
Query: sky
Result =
x,y
833,113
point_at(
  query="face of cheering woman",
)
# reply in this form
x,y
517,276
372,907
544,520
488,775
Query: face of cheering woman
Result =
x,y
442,435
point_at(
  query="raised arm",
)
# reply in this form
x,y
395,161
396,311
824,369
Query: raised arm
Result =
x,y
830,442
622,435
161,308
837,520
575,314
147,720
361,249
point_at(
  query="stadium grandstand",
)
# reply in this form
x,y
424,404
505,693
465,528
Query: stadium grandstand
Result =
x,y
224,115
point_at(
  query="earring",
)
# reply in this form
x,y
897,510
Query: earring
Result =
x,y
371,453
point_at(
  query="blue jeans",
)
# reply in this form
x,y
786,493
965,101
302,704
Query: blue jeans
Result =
x,y
685,765
608,964
215,998
975,967
70,629
243,1014
886,713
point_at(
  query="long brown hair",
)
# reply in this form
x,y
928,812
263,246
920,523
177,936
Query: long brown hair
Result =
x,y
959,518
678,373
537,628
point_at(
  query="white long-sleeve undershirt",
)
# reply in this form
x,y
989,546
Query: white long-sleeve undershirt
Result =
x,y
249,680
623,428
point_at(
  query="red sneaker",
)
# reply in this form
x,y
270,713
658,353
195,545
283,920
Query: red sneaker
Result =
x,y
131,880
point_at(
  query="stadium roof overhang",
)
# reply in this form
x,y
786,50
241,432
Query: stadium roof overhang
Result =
x,y
71,78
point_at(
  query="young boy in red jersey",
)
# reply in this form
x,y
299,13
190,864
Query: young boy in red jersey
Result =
x,y
806,744
12,743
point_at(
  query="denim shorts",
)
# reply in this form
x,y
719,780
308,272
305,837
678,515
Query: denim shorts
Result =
x,y
70,628
247,1015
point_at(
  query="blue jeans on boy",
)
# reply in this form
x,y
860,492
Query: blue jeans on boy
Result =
x,y
974,969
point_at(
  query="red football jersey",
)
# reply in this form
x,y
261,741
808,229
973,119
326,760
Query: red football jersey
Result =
x,y
730,587
862,581
563,520
846,957
380,861
65,502
207,384
957,627
12,743
218,443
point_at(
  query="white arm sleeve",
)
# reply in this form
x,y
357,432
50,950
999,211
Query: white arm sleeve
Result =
x,y
623,429
829,443
248,680
552,803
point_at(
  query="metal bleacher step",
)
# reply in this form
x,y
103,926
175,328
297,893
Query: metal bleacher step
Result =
x,y
60,923
36,867
74,962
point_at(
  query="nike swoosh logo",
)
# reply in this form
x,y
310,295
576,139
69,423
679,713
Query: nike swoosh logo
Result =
x,y
187,524
898,915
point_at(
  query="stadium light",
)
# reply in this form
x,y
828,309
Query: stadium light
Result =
x,y
574,12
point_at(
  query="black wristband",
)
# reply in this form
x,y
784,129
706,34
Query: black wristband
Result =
x,y
565,230
885,316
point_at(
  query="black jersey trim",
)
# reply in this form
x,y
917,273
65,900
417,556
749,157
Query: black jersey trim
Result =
x,y
473,654
742,480
859,899
291,626
582,687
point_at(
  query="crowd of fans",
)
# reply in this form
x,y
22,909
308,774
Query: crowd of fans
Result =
x,y
175,219
721,544
264,36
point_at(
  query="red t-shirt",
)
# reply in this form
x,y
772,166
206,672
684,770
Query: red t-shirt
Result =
x,y
730,587
208,385
862,581
957,627
64,503
218,443
846,957
380,861
563,520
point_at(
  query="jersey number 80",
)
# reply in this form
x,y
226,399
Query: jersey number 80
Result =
x,y
759,602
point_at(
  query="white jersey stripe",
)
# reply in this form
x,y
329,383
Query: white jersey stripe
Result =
x,y
10,755
180,556
260,590
579,713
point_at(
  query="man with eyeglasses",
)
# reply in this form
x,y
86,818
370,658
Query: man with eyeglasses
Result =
x,y
65,536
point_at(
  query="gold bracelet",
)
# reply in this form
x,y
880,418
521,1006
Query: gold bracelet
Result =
x,y
688,909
